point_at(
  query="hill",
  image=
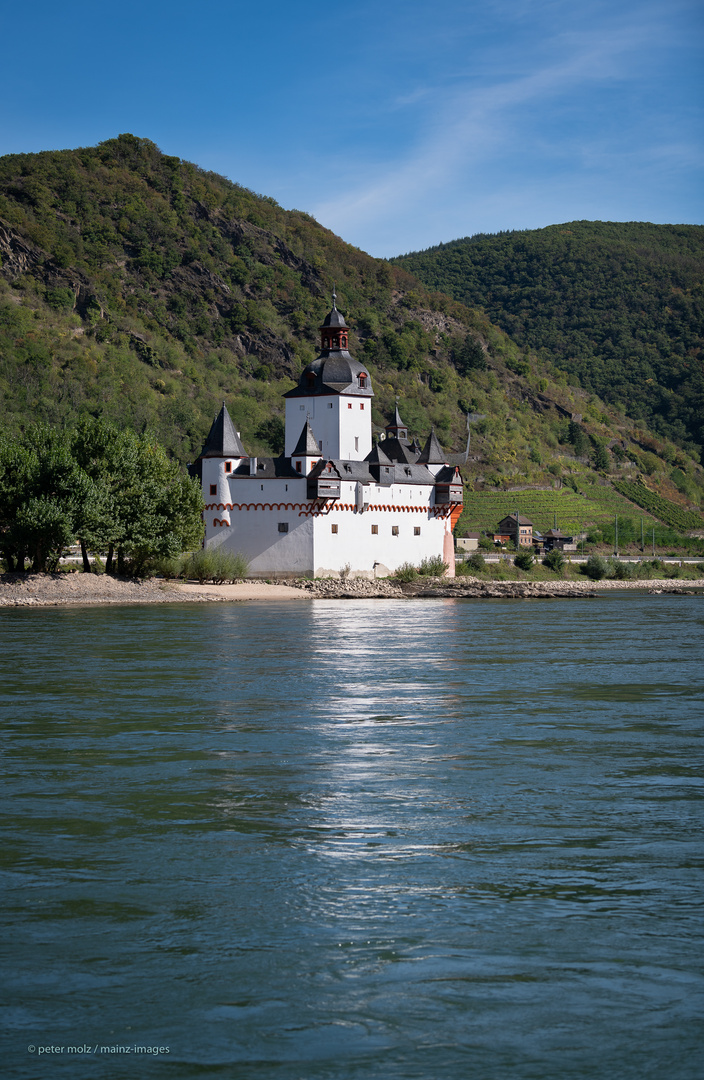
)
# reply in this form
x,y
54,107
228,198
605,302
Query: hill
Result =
x,y
619,307
137,287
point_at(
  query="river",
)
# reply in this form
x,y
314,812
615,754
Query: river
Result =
x,y
345,840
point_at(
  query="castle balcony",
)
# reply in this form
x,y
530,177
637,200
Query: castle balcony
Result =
x,y
323,487
448,493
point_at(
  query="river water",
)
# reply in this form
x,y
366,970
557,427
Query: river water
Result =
x,y
333,840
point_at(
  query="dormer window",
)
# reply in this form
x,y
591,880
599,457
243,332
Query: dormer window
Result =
x,y
362,380
311,378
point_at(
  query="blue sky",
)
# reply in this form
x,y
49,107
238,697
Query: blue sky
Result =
x,y
396,124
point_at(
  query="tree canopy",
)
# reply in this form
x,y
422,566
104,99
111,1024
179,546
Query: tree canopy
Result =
x,y
112,491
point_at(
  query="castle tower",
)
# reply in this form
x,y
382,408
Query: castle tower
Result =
x,y
334,394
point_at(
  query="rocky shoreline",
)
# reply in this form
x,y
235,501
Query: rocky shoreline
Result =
x,y
59,590
456,588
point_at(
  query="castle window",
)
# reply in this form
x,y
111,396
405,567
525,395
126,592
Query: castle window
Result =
x,y
375,530
394,530
329,404
362,406
349,404
362,380
213,489
416,530
228,466
356,442
283,526
333,528
298,466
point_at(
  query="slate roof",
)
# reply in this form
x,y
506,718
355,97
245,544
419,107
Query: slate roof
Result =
x,y
378,455
335,372
512,518
399,450
268,468
223,440
334,318
432,452
397,424
307,445
447,476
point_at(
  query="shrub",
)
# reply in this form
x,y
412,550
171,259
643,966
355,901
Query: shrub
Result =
x,y
406,572
433,567
216,565
169,568
476,561
524,560
594,568
621,571
554,560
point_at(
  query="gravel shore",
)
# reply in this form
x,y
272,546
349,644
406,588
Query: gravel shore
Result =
x,y
52,590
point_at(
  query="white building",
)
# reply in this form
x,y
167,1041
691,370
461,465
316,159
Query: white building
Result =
x,y
332,501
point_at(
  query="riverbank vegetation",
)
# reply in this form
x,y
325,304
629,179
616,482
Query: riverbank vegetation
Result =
x,y
106,489
596,568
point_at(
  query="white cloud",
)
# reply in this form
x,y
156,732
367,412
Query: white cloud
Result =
x,y
472,132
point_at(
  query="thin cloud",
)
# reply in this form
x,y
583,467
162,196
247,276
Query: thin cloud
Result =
x,y
474,128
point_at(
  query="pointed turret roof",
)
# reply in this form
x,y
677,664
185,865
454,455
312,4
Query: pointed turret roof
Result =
x,y
432,453
223,440
397,425
307,445
377,456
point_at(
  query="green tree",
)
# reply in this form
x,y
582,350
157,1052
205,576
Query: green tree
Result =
x,y
111,489
554,560
600,457
43,494
524,560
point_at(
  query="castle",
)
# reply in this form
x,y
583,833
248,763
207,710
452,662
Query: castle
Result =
x,y
331,503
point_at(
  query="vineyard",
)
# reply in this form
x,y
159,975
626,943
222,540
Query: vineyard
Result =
x,y
661,508
572,512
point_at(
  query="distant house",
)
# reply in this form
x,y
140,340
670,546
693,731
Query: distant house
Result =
x,y
468,542
513,526
553,538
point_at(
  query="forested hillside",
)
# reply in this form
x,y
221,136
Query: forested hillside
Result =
x,y
620,307
137,288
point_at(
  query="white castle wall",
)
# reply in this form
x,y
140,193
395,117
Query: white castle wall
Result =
x,y
310,546
343,423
